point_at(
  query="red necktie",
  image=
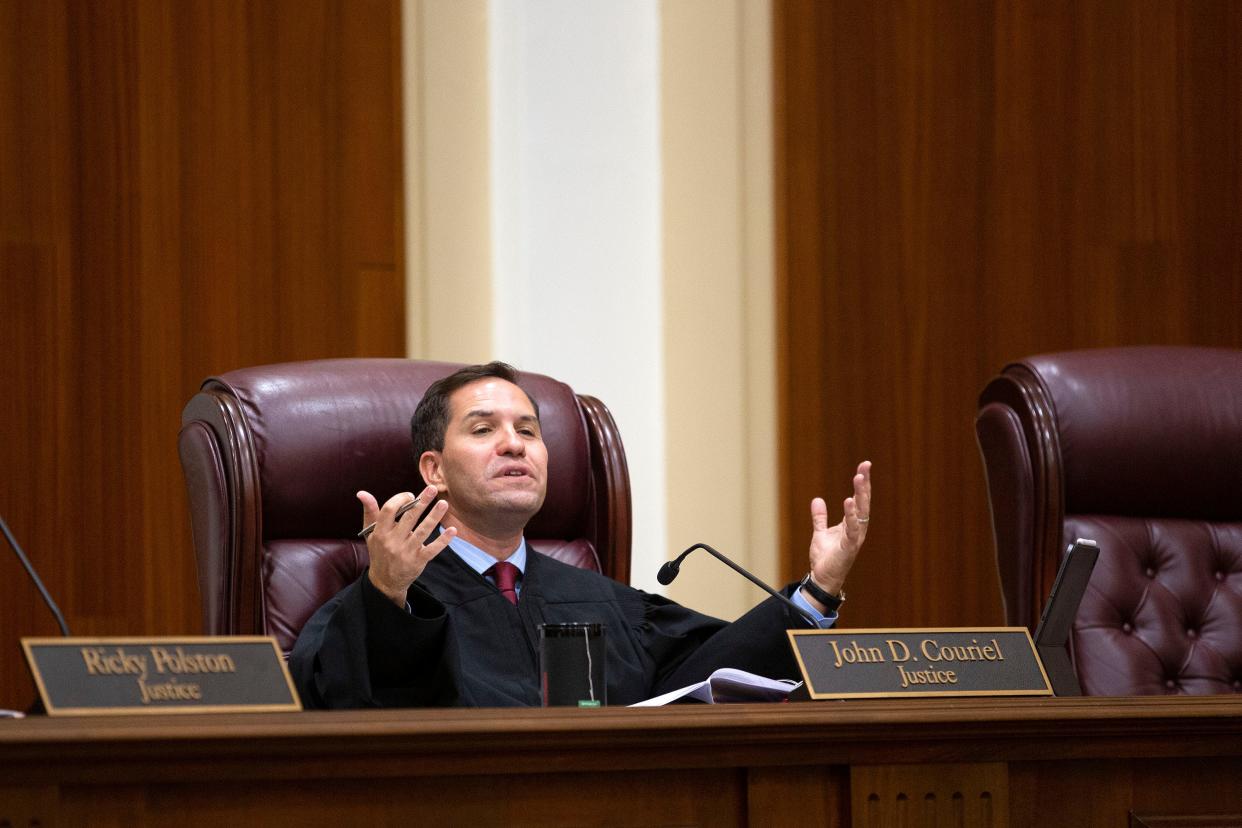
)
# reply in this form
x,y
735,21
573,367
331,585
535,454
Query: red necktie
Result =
x,y
506,575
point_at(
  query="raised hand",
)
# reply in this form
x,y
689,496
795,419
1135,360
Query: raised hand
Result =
x,y
399,550
834,548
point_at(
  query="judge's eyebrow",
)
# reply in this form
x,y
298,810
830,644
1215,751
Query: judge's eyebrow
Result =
x,y
486,413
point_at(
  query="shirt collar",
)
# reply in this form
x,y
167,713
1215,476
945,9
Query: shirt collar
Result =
x,y
480,561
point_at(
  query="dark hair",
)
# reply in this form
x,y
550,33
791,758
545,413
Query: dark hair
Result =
x,y
431,418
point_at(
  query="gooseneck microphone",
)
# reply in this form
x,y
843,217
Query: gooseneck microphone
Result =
x,y
670,569
34,576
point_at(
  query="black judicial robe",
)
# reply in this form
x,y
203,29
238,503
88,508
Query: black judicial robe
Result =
x,y
464,644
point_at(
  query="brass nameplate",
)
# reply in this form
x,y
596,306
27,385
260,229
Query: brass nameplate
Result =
x,y
989,661
98,676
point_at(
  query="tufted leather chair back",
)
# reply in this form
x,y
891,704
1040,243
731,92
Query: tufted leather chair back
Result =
x,y
273,455
1141,450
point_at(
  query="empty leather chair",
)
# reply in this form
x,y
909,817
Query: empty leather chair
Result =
x,y
1139,449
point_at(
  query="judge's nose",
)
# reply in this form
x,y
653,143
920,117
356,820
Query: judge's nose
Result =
x,y
509,443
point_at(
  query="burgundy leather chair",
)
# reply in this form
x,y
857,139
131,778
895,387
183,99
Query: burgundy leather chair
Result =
x,y
1141,450
273,455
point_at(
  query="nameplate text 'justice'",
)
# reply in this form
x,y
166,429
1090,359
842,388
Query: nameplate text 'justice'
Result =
x,y
95,676
990,661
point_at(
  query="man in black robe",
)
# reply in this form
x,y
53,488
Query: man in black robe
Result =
x,y
422,628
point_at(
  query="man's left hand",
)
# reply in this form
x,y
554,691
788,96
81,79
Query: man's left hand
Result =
x,y
834,548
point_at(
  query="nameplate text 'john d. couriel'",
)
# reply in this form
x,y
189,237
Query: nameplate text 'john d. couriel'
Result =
x,y
989,661
96,676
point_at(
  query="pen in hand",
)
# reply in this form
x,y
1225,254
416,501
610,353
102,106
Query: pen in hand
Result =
x,y
365,533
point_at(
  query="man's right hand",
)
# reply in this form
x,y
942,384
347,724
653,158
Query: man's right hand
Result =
x,y
398,549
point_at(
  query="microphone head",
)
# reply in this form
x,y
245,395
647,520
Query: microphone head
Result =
x,y
668,572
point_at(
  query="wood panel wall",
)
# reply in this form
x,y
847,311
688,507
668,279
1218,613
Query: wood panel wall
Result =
x,y
961,184
187,187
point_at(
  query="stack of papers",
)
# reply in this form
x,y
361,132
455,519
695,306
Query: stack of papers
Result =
x,y
725,686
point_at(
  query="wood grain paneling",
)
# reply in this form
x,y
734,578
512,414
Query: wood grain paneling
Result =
x,y
1103,792
687,797
784,794
188,187
961,184
1065,762
929,796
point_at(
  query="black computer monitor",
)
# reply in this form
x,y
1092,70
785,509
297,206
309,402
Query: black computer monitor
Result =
x,y
1052,634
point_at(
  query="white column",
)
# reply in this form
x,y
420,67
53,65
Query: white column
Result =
x,y
447,179
589,196
720,384
576,223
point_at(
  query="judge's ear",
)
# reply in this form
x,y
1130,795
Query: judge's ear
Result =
x,y
432,470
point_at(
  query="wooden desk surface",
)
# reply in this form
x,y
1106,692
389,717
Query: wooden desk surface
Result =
x,y
728,764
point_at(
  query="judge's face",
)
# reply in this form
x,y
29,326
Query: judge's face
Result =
x,y
494,467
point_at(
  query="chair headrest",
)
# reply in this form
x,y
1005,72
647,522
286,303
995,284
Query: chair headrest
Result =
x,y
1147,430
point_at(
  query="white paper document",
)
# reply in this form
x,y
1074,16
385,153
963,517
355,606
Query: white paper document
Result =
x,y
727,685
